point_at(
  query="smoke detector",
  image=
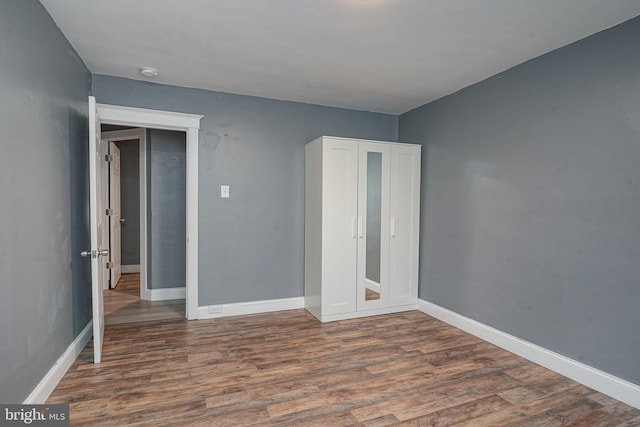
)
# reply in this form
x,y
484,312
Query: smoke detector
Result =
x,y
149,72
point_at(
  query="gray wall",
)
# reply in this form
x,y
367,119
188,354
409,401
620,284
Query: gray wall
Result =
x,y
130,200
166,213
252,244
531,200
46,289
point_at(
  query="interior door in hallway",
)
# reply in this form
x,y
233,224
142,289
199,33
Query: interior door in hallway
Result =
x,y
115,219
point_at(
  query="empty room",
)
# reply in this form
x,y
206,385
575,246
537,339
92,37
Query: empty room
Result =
x,y
320,212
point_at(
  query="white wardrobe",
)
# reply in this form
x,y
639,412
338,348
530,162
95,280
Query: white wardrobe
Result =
x,y
362,220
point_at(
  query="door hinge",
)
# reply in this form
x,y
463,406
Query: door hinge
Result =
x,y
108,157
109,265
108,212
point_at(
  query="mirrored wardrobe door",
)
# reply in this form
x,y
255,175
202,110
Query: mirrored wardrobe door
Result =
x,y
373,224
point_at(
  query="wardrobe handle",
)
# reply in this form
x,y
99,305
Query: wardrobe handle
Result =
x,y
360,227
353,227
393,226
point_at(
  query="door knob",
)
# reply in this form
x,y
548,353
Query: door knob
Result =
x,y
95,254
121,220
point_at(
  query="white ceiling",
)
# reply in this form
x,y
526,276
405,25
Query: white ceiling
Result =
x,y
377,55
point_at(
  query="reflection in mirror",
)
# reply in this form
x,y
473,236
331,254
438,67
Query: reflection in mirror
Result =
x,y
374,213
370,294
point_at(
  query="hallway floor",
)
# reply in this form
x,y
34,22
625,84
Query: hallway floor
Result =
x,y
123,304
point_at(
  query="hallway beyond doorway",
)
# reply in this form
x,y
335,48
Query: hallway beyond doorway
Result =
x,y
123,304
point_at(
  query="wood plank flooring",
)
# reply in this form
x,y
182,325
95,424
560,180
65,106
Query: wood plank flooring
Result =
x,y
123,304
129,284
286,368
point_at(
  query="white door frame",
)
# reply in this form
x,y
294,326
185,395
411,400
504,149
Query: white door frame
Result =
x,y
189,123
139,134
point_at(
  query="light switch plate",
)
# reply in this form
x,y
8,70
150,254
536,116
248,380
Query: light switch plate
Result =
x,y
224,191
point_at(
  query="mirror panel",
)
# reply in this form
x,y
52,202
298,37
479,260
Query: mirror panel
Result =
x,y
373,225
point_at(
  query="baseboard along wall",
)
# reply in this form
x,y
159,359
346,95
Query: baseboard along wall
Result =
x,y
596,379
251,307
127,269
43,390
164,294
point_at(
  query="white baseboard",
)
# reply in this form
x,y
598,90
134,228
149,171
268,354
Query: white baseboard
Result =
x,y
41,392
126,269
164,294
251,307
603,382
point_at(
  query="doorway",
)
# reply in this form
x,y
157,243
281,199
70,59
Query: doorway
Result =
x,y
147,231
126,201
189,124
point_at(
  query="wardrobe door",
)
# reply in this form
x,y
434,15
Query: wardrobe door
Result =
x,y
339,216
373,225
404,224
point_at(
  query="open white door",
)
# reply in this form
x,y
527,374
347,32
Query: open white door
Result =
x,y
115,220
96,218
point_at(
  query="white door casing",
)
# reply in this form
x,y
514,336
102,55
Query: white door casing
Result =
x,y
115,229
189,123
97,223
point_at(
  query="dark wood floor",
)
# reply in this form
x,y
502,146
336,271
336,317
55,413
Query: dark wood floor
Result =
x,y
286,368
129,284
